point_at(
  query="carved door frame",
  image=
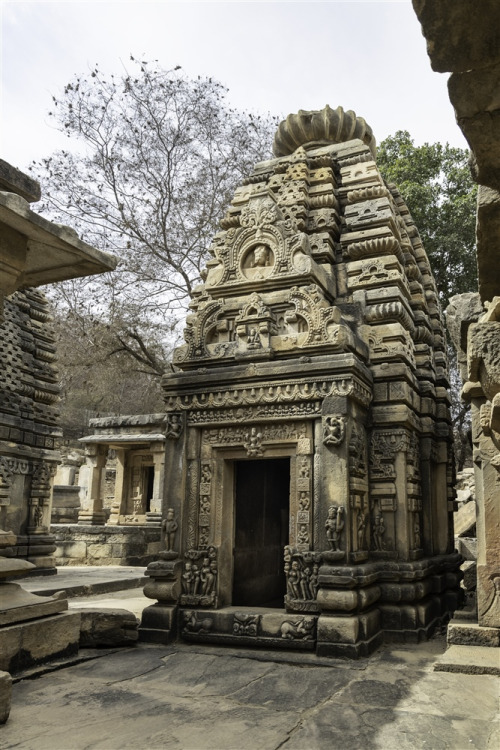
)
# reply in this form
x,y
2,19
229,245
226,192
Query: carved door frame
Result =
x,y
211,497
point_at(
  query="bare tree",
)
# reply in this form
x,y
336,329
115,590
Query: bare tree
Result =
x,y
155,158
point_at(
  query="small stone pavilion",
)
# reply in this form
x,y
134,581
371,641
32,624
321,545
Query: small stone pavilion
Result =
x,y
309,486
138,446
33,252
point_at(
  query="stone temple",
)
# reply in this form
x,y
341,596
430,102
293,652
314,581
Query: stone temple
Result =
x,y
309,476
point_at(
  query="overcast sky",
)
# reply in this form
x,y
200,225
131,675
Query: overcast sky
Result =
x,y
275,57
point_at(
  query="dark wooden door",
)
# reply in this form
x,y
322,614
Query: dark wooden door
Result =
x,y
262,498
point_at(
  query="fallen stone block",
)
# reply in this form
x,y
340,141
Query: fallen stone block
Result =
x,y
110,627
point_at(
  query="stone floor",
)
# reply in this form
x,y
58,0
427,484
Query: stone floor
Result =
x,y
199,698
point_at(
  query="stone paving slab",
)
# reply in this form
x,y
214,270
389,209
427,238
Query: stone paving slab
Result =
x,y
180,697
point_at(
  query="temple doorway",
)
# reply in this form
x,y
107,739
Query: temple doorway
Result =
x,y
149,483
262,513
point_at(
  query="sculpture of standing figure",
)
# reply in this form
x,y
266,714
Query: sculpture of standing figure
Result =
x,y
361,530
378,532
334,525
417,540
293,581
170,527
187,578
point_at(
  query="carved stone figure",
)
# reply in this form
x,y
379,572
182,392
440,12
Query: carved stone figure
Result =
x,y
417,541
361,529
174,426
300,630
293,581
253,339
254,444
378,532
194,624
334,525
333,430
170,527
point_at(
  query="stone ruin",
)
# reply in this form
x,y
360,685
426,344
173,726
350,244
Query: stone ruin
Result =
x,y
33,252
310,480
471,54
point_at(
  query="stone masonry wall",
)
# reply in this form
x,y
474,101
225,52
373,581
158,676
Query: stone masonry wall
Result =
x,y
98,545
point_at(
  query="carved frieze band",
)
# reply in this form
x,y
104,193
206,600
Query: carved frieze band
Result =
x,y
292,392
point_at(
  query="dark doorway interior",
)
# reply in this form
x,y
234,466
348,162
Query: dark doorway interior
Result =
x,y
262,502
150,480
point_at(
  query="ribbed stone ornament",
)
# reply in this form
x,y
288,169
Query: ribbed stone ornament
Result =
x,y
321,126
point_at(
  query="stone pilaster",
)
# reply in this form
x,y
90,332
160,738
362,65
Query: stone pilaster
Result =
x,y
92,513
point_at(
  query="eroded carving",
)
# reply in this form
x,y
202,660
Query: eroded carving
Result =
x,y
333,430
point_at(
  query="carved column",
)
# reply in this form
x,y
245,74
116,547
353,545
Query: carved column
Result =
x,y
349,624
159,621
154,515
92,513
40,544
117,508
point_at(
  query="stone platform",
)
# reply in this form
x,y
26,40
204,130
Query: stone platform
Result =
x,y
86,580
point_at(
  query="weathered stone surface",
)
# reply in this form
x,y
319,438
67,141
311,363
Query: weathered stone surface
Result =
x,y
36,642
458,38
472,634
5,696
488,246
111,627
470,659
469,570
106,545
465,519
12,180
462,311
224,698
467,547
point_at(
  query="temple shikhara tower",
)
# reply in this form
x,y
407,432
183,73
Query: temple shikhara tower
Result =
x,y
308,462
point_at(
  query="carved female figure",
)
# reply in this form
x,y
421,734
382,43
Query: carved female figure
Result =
x,y
293,581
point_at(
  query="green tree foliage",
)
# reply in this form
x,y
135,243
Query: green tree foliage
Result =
x,y
435,182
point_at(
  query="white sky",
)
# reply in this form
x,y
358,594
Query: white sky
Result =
x,y
275,57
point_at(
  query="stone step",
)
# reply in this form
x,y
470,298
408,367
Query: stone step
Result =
x,y
87,580
469,660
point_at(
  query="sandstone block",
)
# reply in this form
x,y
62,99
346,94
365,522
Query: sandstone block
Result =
x,y
71,550
5,696
97,551
111,627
